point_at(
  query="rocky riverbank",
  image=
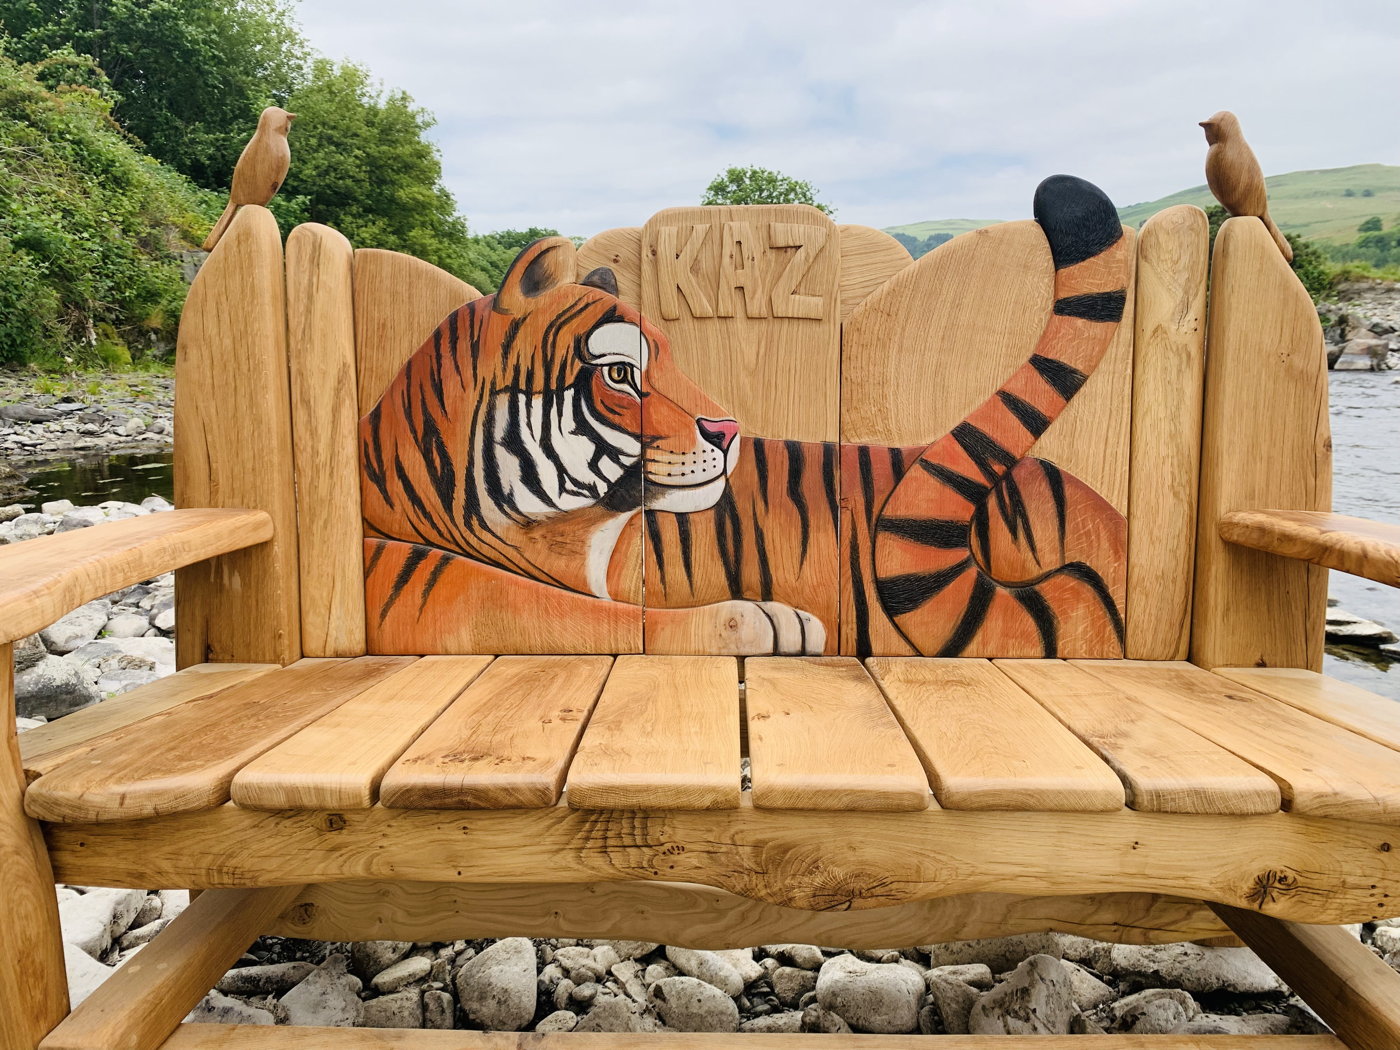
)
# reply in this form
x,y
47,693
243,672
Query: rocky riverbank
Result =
x,y
1362,328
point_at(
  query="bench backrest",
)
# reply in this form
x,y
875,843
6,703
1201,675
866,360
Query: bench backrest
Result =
x,y
854,361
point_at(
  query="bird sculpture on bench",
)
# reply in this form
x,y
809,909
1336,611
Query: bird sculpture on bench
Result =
x,y
1234,176
261,167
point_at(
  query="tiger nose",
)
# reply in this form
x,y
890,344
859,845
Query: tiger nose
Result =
x,y
719,432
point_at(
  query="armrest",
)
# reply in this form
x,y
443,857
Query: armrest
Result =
x,y
1355,545
44,578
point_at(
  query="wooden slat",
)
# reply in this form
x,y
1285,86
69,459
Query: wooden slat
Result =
x,y
1168,368
664,735
399,300
505,742
143,1002
233,448
1355,545
50,576
986,744
620,250
1341,703
822,737
1321,769
46,747
1167,768
869,258
183,759
1332,971
33,983
337,761
1266,442
321,348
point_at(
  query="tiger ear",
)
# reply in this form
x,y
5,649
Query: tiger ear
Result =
x,y
541,267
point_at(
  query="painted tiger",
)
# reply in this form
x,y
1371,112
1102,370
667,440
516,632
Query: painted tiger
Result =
x,y
541,455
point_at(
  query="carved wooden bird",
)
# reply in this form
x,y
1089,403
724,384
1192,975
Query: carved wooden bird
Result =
x,y
260,169
1234,176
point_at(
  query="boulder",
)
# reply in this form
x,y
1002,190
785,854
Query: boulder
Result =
x,y
271,979
329,997
54,686
77,628
439,1009
216,1008
688,1004
1189,966
788,1021
401,974
708,967
1156,1011
871,997
95,919
790,984
496,988
399,1010
954,997
559,1021
613,1014
803,956
85,973
1037,999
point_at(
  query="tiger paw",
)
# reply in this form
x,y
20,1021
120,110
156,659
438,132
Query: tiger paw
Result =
x,y
736,628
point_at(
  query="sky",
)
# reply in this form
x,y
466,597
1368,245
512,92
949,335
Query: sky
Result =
x,y
584,116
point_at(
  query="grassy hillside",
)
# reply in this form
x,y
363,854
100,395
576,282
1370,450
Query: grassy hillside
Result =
x,y
934,226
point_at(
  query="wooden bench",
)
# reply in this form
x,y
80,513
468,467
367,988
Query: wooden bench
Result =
x,y
988,603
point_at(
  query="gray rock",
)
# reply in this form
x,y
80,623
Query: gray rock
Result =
x,y
688,1004
163,619
1386,939
56,508
803,956
559,1021
151,909
496,988
216,1008
816,1019
871,997
616,1014
29,414
1089,992
1001,954
329,997
708,967
743,962
401,974
1188,966
271,979
85,973
53,687
953,997
127,625
139,935
790,984
1243,1024
24,725
156,504
82,518
29,650
399,1010
658,971
368,958
159,650
1037,999
975,974
10,512
95,919
77,628
628,973
439,1009
1156,1011
788,1021
1355,630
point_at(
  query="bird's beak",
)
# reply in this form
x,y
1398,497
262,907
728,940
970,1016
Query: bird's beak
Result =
x,y
291,116
1206,123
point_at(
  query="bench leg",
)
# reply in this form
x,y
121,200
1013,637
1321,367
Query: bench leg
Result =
x,y
1333,972
33,983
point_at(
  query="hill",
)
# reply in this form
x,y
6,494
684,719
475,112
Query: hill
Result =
x,y
930,227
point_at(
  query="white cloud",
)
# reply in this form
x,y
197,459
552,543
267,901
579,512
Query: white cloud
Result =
x,y
585,116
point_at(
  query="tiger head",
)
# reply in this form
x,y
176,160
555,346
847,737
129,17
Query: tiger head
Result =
x,y
552,399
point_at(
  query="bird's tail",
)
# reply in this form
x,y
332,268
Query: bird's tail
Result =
x,y
1279,239
220,227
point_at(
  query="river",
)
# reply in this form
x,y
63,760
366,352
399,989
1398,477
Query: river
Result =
x,y
1366,468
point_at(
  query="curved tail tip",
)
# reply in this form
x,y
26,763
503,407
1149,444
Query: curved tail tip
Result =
x,y
1078,219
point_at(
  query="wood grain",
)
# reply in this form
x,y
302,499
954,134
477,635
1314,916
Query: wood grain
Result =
x,y
1332,971
1166,767
48,746
869,258
233,448
261,167
620,250
504,742
800,763
1295,867
664,735
1332,700
1320,769
1234,175
185,758
50,576
1336,541
986,744
33,981
145,1000
708,919
756,325
1168,373
399,300
321,348
337,761
1265,443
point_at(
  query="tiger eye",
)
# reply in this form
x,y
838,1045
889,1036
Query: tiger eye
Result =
x,y
619,373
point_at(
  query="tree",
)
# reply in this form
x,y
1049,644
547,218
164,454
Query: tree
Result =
x,y
761,186
1371,225
188,77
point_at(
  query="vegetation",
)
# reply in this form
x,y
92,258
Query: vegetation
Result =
x,y
920,246
761,186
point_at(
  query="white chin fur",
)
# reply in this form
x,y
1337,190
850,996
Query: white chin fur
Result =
x,y
684,499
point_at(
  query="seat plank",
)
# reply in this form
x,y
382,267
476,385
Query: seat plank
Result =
x,y
184,759
505,742
337,761
986,744
665,735
1166,767
46,747
1321,769
822,737
1341,703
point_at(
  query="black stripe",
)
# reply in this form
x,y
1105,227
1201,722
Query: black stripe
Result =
x,y
443,561
760,465
796,458
1093,306
896,462
985,451
374,558
1046,623
858,600
1056,481
410,565
513,440
978,602
654,538
1088,576
765,571
683,536
1064,379
972,491
901,595
730,542
1033,419
1078,219
867,480
831,471
928,532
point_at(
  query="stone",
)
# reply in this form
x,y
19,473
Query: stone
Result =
x,y
163,619
85,973
871,997
558,1021
216,1008
788,1021
816,1019
743,962
127,625
82,518
399,1010
56,508
953,997
1089,992
28,651
659,971
368,958
496,988
160,650
628,973
77,628
1241,1024
1003,954
151,909
1188,966
139,935
439,1009
615,1014
329,997
1156,1011
803,956
157,504
10,512
132,427
790,984
23,725
401,974
631,949
1386,939
53,687
95,919
708,967
173,902
689,1004
269,979
1037,999
975,974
